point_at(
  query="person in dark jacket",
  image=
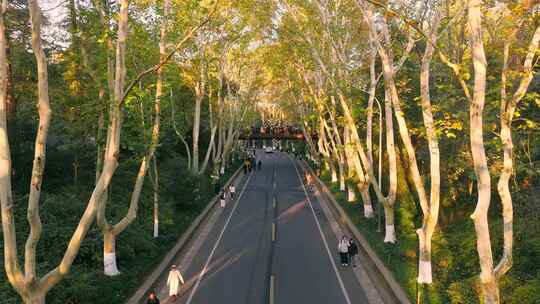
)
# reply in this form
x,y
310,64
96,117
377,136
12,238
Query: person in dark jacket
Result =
x,y
152,298
353,252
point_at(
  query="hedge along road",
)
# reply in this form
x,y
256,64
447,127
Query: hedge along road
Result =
x,y
271,245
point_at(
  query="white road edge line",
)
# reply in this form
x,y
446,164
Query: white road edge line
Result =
x,y
205,269
345,294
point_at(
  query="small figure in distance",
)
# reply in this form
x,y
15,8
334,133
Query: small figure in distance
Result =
x,y
343,249
152,298
353,251
173,281
232,190
222,199
246,166
259,165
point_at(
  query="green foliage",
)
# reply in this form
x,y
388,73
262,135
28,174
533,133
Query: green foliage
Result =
x,y
454,259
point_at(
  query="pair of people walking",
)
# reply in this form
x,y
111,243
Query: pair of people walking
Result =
x,y
223,196
348,251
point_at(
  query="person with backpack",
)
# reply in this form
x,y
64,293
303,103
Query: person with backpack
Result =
x,y
343,249
353,252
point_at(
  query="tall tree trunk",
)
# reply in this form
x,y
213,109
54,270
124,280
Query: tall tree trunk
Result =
x,y
109,231
40,144
431,212
488,283
195,134
11,263
388,204
113,137
155,187
337,143
506,116
358,173
351,176
372,92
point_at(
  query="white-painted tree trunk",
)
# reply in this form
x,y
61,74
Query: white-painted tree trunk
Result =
x,y
424,258
368,206
351,194
109,254
334,173
390,231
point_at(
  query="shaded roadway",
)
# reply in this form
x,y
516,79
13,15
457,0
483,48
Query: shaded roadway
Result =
x,y
239,257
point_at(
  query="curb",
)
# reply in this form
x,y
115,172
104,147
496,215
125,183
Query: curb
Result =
x,y
187,236
397,291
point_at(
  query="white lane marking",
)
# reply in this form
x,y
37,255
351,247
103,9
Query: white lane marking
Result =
x,y
205,269
345,294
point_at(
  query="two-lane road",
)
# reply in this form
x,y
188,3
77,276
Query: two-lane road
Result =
x,y
274,243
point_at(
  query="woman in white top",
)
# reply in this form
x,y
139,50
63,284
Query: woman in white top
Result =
x,y
174,281
343,249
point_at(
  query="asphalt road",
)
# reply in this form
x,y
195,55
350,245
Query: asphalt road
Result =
x,y
271,244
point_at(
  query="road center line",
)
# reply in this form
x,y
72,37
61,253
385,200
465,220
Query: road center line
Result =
x,y
345,294
205,269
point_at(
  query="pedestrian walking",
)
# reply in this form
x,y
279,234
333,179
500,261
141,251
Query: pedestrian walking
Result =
x,y
353,252
173,281
222,199
343,249
152,298
232,190
259,165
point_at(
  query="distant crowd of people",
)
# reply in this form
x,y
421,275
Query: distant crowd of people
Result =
x,y
285,130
